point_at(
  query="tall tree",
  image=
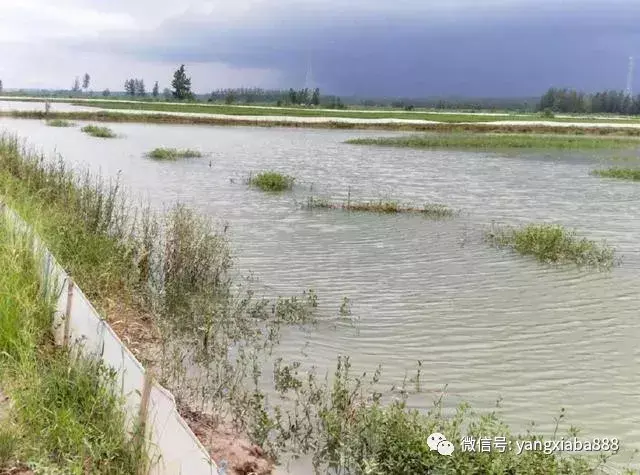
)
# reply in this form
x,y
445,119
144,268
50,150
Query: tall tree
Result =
x,y
155,90
315,99
0,86
86,79
139,88
106,93
130,87
181,84
76,85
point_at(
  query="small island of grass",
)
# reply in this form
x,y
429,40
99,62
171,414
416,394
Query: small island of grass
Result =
x,y
162,153
60,123
499,141
432,210
620,173
552,243
97,131
271,181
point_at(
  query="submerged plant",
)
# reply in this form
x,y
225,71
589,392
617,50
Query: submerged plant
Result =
x,y
431,210
97,131
271,181
162,153
552,243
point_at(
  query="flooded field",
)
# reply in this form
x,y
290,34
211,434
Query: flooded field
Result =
x,y
488,324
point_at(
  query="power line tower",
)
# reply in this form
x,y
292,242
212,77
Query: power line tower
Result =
x,y
629,90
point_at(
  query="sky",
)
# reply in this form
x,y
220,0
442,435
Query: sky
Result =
x,y
400,48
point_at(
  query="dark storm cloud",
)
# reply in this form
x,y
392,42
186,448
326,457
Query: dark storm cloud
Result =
x,y
478,52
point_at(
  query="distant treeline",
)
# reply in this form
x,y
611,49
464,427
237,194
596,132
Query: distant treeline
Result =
x,y
606,102
279,97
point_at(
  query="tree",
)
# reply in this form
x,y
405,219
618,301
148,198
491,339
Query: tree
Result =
x,y
155,90
106,93
293,96
166,92
130,87
139,89
315,98
230,98
0,86
181,84
86,79
76,85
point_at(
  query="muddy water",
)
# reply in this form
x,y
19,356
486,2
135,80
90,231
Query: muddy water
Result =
x,y
486,323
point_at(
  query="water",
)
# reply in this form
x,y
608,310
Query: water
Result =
x,y
40,106
486,323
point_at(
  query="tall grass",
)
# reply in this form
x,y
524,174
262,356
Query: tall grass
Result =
x,y
172,153
499,141
98,131
551,243
271,181
620,173
64,410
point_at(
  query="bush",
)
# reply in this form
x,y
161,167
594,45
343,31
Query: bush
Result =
x,y
271,181
102,132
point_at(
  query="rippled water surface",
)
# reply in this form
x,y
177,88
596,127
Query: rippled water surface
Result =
x,y
486,323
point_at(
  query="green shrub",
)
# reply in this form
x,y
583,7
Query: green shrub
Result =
x,y
172,153
60,123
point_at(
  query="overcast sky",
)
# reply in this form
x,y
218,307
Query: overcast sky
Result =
x,y
364,47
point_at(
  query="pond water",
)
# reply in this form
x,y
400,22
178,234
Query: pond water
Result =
x,y
40,106
486,323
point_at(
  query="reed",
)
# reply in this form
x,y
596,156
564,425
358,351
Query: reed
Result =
x,y
162,153
97,131
620,173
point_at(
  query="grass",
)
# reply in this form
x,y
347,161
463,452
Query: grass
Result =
x,y
432,210
271,181
498,141
60,123
97,131
64,416
621,173
551,243
478,127
162,153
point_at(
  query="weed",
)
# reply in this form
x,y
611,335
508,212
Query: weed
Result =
x,y
430,210
271,181
96,131
172,153
60,123
551,243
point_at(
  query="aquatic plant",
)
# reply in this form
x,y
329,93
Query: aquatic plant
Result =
x,y
431,210
552,243
271,181
621,173
162,153
59,123
97,131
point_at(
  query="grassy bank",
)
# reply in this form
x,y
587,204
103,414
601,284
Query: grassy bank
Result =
x,y
173,275
432,210
480,127
63,416
500,141
620,173
162,153
271,181
552,244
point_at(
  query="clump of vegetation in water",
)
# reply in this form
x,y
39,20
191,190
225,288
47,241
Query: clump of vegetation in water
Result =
x,y
97,131
499,141
552,243
60,123
271,181
432,210
172,153
621,173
